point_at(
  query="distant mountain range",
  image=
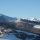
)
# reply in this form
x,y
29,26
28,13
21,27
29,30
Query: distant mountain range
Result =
x,y
28,24
4,17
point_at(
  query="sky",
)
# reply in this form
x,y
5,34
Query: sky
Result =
x,y
20,8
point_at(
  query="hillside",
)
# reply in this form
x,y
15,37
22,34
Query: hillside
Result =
x,y
19,24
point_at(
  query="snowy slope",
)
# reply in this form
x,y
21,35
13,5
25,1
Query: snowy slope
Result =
x,y
32,19
12,36
9,37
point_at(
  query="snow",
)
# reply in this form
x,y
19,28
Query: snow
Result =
x,y
37,26
32,19
18,20
7,30
29,33
9,37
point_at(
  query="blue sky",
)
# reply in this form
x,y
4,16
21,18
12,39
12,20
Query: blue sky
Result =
x,y
20,8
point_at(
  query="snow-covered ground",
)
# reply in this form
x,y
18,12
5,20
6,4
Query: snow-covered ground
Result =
x,y
12,36
9,37
37,26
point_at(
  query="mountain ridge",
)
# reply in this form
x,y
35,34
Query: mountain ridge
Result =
x,y
19,24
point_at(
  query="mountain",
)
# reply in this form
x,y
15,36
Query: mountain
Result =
x,y
32,19
6,18
19,28
20,23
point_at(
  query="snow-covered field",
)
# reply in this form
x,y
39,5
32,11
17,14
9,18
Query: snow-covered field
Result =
x,y
37,26
12,36
9,37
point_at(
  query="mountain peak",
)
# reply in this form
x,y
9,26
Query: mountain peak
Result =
x,y
1,14
32,19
